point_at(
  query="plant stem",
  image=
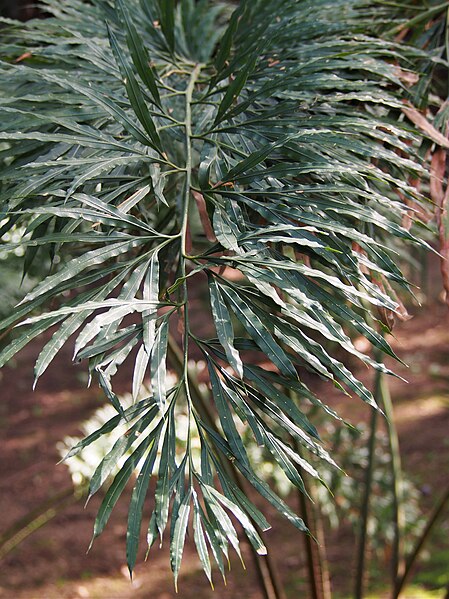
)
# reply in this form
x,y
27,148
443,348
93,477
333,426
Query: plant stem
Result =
x,y
364,512
35,519
188,153
397,565
316,576
317,568
184,225
423,17
382,396
267,575
435,514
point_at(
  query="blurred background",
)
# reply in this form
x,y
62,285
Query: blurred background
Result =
x,y
18,9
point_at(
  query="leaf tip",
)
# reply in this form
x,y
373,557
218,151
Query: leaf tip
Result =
x,y
91,544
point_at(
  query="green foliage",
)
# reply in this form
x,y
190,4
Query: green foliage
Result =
x,y
350,445
156,151
349,450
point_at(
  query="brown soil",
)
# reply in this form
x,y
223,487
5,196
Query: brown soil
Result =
x,y
52,562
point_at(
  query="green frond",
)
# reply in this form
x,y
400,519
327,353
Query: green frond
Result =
x,y
256,160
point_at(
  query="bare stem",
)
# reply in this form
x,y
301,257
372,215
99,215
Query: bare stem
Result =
x,y
397,565
364,512
35,519
436,513
188,152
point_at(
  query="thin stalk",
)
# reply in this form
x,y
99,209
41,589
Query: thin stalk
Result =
x,y
364,512
321,548
188,151
171,126
423,17
317,570
383,398
221,144
446,41
312,553
425,291
174,72
266,572
183,235
267,575
35,519
398,564
435,514
185,219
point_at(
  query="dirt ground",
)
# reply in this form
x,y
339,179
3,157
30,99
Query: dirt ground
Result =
x,y
52,562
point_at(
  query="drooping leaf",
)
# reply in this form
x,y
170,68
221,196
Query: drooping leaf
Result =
x,y
243,519
139,53
235,87
223,326
225,415
140,369
223,520
259,332
162,494
135,95
262,487
167,17
136,506
120,447
178,540
158,365
77,265
200,539
151,293
118,485
129,414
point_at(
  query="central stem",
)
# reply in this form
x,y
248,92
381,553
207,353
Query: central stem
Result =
x,y
266,571
188,151
185,213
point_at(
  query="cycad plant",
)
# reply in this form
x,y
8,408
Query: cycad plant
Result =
x,y
253,158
